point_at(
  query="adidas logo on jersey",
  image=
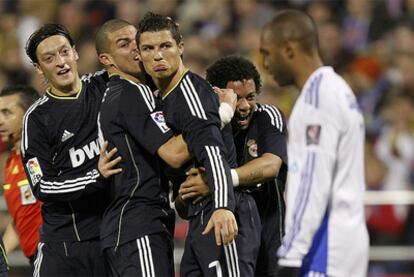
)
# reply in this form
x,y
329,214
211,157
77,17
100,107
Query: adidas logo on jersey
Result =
x,y
66,135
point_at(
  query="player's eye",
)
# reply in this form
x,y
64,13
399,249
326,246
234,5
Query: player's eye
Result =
x,y
123,44
48,59
251,97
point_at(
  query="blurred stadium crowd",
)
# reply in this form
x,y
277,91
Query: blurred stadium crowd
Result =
x,y
369,42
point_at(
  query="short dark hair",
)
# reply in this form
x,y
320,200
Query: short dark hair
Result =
x,y
153,22
233,68
43,33
297,26
28,95
101,37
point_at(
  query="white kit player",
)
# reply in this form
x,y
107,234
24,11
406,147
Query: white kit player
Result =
x,y
326,233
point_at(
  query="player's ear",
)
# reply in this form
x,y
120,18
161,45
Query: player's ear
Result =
x,y
75,53
288,50
38,69
105,59
181,47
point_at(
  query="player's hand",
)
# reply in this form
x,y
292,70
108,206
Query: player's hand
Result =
x,y
195,186
227,95
225,226
105,164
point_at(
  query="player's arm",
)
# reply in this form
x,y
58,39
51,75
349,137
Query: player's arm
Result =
x,y
147,125
272,153
10,238
174,152
202,134
309,188
47,182
261,169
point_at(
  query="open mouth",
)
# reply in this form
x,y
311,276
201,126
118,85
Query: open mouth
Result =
x,y
63,72
243,120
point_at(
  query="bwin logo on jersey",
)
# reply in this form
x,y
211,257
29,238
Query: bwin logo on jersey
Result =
x,y
78,156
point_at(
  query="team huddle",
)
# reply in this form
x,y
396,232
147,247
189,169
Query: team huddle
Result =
x,y
114,155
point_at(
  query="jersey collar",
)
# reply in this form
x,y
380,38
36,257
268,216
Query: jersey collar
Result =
x,y
76,96
179,81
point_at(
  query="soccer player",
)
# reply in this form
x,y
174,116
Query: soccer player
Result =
x,y
190,108
260,137
60,154
325,225
137,238
23,207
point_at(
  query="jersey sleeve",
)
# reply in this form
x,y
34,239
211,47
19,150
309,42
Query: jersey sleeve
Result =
x,y
143,122
313,139
99,78
272,132
49,183
201,131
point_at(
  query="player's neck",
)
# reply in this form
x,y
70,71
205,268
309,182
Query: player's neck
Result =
x,y
305,70
69,90
168,84
136,79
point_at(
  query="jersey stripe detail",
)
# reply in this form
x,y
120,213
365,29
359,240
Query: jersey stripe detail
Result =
x,y
219,176
132,192
150,94
192,99
39,258
300,202
312,93
318,82
151,262
69,185
232,259
275,115
146,94
25,139
145,256
141,259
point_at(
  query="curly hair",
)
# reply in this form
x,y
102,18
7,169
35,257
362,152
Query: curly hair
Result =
x,y
153,22
233,68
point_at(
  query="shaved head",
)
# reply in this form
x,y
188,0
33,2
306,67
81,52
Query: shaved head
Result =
x,y
295,26
101,39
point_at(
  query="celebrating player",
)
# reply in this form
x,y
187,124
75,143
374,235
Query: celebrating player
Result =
x,y
137,238
60,153
260,137
190,108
